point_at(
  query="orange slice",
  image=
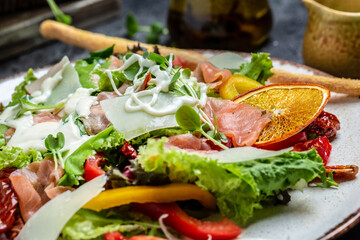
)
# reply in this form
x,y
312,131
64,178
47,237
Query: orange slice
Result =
x,y
293,107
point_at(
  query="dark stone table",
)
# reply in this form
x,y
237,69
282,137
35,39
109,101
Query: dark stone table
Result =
x,y
285,41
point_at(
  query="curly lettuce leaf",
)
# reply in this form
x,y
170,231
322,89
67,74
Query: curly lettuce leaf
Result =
x,y
88,224
85,67
74,165
258,69
20,89
236,195
104,83
239,187
14,157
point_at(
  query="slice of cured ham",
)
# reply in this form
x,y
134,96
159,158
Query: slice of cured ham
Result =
x,y
214,77
190,143
242,122
35,185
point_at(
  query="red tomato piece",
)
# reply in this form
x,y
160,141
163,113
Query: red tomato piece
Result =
x,y
129,151
218,148
142,237
114,236
188,226
322,146
289,142
92,167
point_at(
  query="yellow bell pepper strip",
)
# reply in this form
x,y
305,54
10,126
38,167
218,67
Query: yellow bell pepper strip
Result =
x,y
236,85
158,194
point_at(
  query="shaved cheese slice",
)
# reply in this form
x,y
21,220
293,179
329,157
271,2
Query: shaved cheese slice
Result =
x,y
49,220
240,154
134,124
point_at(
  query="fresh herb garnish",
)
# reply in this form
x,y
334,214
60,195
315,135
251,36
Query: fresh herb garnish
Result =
x,y
155,30
259,69
25,106
189,119
54,145
58,14
103,53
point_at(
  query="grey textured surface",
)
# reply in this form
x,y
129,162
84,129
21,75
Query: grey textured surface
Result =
x,y
285,41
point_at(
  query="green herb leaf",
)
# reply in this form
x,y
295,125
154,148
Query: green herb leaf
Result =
x,y
131,71
25,106
258,69
132,25
103,53
20,89
186,73
58,14
77,121
174,79
104,83
188,118
157,58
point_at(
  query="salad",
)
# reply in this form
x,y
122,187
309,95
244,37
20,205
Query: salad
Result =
x,y
138,146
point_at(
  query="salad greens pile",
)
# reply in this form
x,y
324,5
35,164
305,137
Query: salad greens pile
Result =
x,y
239,187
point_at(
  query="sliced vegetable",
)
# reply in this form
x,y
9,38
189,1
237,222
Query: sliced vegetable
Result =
x,y
114,236
238,187
8,201
92,167
236,85
322,146
57,212
190,227
142,194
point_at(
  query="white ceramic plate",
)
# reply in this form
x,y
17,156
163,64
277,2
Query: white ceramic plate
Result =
x,y
314,213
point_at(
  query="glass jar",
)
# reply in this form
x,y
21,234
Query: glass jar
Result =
x,y
219,24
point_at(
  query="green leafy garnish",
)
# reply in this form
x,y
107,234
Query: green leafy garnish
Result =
x,y
58,14
20,89
189,119
258,69
239,187
104,83
54,145
15,157
26,106
103,53
154,31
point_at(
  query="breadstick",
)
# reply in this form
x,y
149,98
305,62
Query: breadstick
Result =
x,y
96,41
339,85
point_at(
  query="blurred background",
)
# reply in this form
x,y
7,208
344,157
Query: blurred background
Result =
x,y
278,30
288,23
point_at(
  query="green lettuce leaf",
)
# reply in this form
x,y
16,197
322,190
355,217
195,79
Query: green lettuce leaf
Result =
x,y
74,165
15,157
236,195
104,83
258,69
103,53
20,89
85,67
239,187
88,224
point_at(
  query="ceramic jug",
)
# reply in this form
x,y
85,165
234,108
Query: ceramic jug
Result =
x,y
332,37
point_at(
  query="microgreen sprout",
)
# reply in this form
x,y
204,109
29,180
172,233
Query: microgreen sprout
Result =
x,y
54,145
25,106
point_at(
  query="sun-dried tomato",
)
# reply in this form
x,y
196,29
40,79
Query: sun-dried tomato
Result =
x,y
325,125
8,201
129,151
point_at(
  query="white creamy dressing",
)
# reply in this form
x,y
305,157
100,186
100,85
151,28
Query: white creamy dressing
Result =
x,y
79,102
33,136
161,81
47,86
